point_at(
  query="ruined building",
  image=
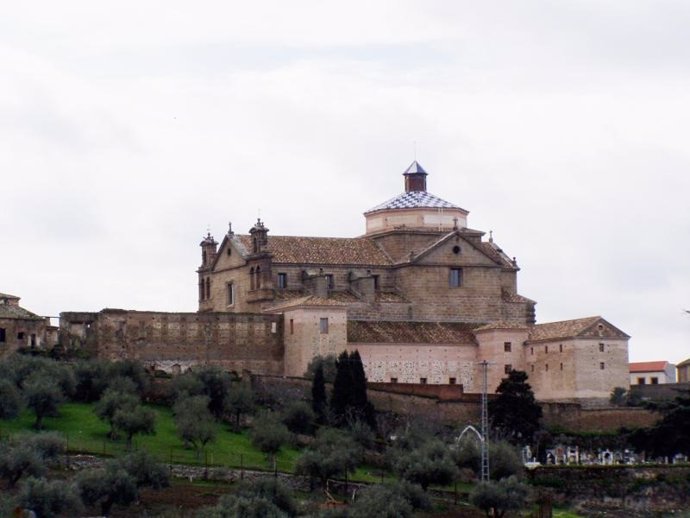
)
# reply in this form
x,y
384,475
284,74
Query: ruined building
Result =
x,y
423,297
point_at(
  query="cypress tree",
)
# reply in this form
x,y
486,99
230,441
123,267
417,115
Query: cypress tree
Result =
x,y
318,395
342,388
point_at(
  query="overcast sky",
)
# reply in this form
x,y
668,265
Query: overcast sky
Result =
x,y
129,128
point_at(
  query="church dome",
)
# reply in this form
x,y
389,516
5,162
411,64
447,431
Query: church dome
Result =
x,y
415,208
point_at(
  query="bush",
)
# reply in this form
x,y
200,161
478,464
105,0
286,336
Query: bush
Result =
x,y
269,435
49,498
11,402
299,417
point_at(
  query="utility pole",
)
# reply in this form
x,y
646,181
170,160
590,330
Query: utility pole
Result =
x,y
485,422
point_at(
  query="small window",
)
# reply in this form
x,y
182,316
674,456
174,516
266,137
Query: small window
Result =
x,y
377,282
231,293
531,350
456,250
654,380
20,335
394,380
2,334
455,278
546,348
531,368
282,281
422,381
452,381
208,287
507,368
201,289
228,251
561,366
601,365
546,367
33,340
257,282
560,348
203,257
330,281
292,326
507,347
323,325
641,381
601,347
251,278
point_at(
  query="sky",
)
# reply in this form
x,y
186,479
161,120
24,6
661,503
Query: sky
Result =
x,y
129,129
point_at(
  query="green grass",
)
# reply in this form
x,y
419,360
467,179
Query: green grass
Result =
x,y
85,433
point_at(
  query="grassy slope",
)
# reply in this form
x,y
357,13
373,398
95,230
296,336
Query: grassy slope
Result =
x,y
86,433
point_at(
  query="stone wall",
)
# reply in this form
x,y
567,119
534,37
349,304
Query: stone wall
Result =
x,y
176,341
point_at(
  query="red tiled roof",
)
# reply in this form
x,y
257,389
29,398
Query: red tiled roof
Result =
x,y
658,366
322,250
306,301
359,331
562,329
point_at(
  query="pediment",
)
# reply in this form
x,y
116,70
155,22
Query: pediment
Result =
x,y
453,249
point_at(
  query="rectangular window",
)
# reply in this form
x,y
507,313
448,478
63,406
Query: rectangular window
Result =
x,y
561,366
546,348
2,334
323,325
507,368
531,350
422,381
452,381
330,281
455,278
601,365
231,293
531,368
20,335
507,347
377,283
654,381
394,380
292,326
282,281
601,347
560,348
641,381
546,367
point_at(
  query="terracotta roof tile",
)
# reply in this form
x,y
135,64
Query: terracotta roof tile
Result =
x,y
502,325
306,301
321,250
562,329
359,331
658,366
17,312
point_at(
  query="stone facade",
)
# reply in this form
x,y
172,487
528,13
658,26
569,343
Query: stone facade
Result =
x,y
422,296
21,328
418,264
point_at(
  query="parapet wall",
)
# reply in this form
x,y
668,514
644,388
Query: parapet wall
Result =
x,y
174,342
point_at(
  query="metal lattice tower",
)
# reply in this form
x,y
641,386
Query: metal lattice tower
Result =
x,y
485,423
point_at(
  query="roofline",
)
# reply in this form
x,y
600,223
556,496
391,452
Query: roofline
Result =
x,y
406,209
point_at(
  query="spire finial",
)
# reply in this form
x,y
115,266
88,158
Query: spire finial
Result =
x,y
491,236
230,232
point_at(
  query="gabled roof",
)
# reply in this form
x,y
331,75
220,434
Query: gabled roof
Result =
x,y
359,331
657,366
683,363
485,248
578,328
359,251
415,200
17,312
309,301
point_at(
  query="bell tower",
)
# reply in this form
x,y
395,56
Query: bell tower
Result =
x,y
208,251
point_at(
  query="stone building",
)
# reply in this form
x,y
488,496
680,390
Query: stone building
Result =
x,y
421,295
20,327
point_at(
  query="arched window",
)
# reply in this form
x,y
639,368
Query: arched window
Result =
x,y
203,258
258,277
208,287
251,278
